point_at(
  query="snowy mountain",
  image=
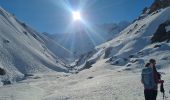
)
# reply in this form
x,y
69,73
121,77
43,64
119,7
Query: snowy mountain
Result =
x,y
84,40
24,51
145,38
112,70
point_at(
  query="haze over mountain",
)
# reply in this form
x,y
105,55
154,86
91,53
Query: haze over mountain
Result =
x,y
82,40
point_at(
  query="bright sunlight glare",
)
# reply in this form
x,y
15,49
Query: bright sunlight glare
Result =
x,y
76,15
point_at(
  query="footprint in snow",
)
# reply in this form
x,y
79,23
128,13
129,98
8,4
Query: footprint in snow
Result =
x,y
90,77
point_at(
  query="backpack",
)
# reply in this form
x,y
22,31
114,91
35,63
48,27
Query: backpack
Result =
x,y
148,78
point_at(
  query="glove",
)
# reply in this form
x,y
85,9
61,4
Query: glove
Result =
x,y
162,81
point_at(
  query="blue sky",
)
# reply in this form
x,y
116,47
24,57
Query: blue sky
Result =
x,y
54,16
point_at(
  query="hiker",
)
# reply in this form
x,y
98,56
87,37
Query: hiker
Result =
x,y
150,80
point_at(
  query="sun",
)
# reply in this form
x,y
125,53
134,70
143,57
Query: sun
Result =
x,y
76,15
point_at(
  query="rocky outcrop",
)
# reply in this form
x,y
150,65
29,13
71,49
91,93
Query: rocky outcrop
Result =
x,y
2,71
158,4
161,34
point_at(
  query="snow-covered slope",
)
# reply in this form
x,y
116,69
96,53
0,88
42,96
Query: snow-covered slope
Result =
x,y
84,40
63,54
23,50
133,45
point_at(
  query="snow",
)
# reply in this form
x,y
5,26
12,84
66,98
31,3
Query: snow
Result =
x,y
114,75
103,81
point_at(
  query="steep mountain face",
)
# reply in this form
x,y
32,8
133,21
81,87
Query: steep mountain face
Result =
x,y
62,53
84,40
145,38
24,51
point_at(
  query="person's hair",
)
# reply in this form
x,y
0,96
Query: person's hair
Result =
x,y
154,67
152,61
147,64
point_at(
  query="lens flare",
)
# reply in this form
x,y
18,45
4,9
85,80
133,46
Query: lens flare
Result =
x,y
76,15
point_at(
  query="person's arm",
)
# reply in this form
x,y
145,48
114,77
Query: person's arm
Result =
x,y
158,81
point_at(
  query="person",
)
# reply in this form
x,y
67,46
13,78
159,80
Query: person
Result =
x,y
150,79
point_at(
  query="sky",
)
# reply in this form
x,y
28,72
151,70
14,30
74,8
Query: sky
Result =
x,y
55,16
